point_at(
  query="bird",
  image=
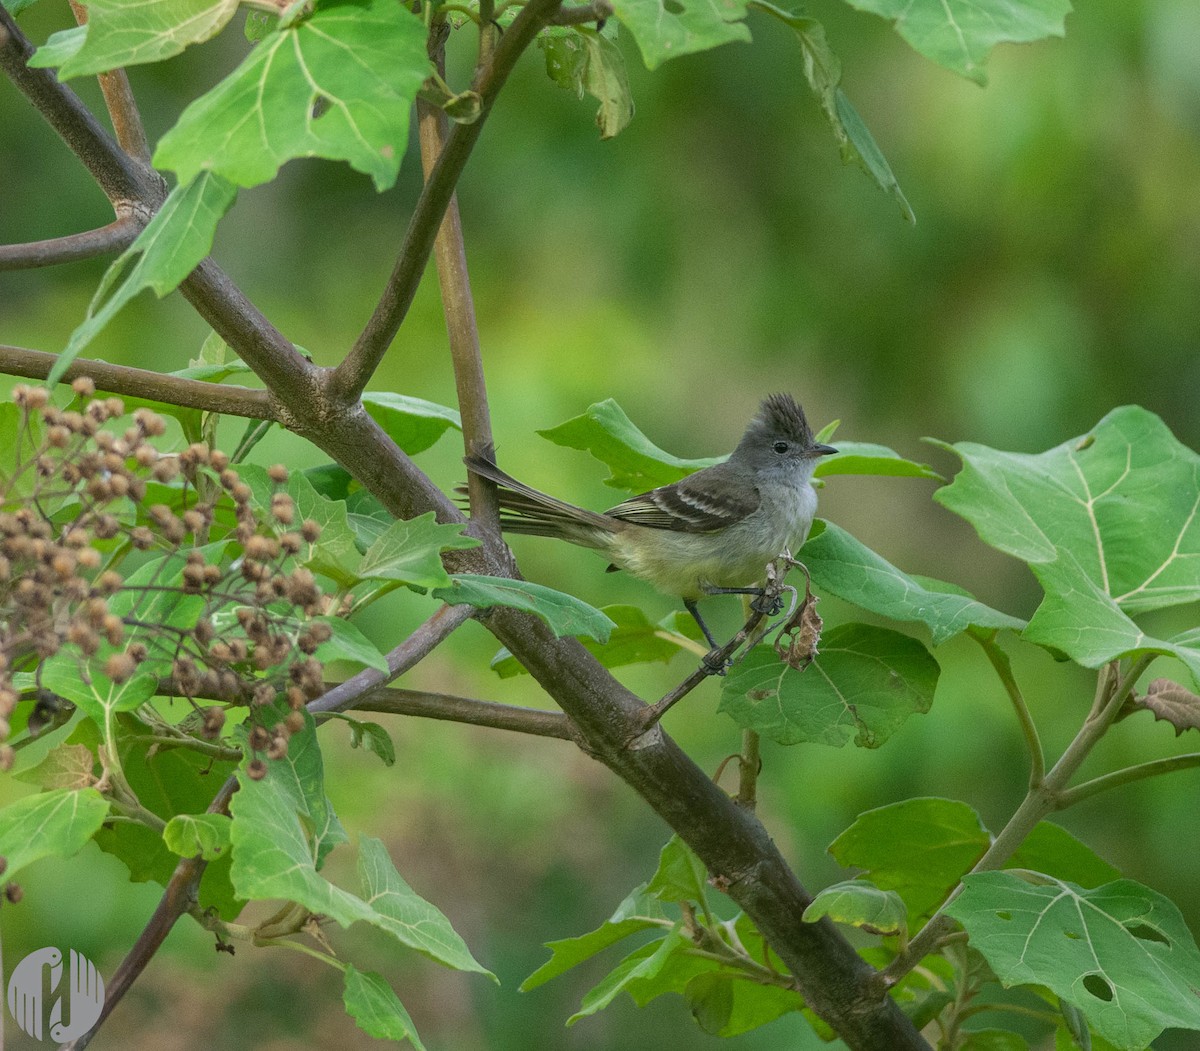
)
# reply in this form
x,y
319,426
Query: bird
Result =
x,y
710,533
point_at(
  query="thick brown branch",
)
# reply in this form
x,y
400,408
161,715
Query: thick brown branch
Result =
x,y
142,383
353,374
115,237
123,179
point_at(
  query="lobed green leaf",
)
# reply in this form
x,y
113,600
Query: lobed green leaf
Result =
x,y
666,29
338,84
52,824
958,34
414,424
865,683
207,835
1121,953
859,903
410,552
129,32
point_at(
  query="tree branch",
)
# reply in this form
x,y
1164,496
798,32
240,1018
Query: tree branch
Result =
x,y
121,105
1151,768
124,179
116,236
597,11
177,898
353,374
458,306
226,399
535,721
420,643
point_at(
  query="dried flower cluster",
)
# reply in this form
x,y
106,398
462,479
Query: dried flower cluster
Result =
x,y
136,561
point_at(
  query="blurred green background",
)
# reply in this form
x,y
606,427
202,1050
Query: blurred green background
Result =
x,y
715,251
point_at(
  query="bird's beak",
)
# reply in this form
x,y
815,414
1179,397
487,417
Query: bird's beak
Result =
x,y
823,450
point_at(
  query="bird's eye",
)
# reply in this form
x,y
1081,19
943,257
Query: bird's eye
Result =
x,y
781,447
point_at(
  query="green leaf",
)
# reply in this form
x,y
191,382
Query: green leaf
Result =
x,y
634,968
958,34
869,458
1051,849
405,915
15,7
377,1010
635,462
283,827
1121,952
636,639
412,423
60,48
1109,523
880,842
667,29
338,84
582,60
165,252
205,834
824,74
640,911
347,643
864,684
410,552
992,1040
95,692
681,876
565,614
376,738
53,824
65,766
129,32
852,571
859,903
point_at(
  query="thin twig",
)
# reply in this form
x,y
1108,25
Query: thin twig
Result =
x,y
535,721
1003,667
1038,802
226,399
749,764
125,180
121,105
450,257
1152,768
353,374
116,236
424,639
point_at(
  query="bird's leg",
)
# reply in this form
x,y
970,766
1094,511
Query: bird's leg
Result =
x,y
711,666
761,602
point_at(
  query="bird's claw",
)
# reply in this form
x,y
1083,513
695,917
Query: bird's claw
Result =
x,y
714,663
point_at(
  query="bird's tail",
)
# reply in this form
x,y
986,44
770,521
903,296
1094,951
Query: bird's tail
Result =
x,y
524,509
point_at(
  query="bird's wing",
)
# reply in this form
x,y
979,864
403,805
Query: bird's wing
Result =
x,y
706,501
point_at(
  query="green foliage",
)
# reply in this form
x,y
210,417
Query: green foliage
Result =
x,y
958,34
582,60
205,834
852,571
857,903
371,1002
1105,521
165,252
337,84
52,824
409,552
565,614
1121,953
635,639
119,33
414,424
864,683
